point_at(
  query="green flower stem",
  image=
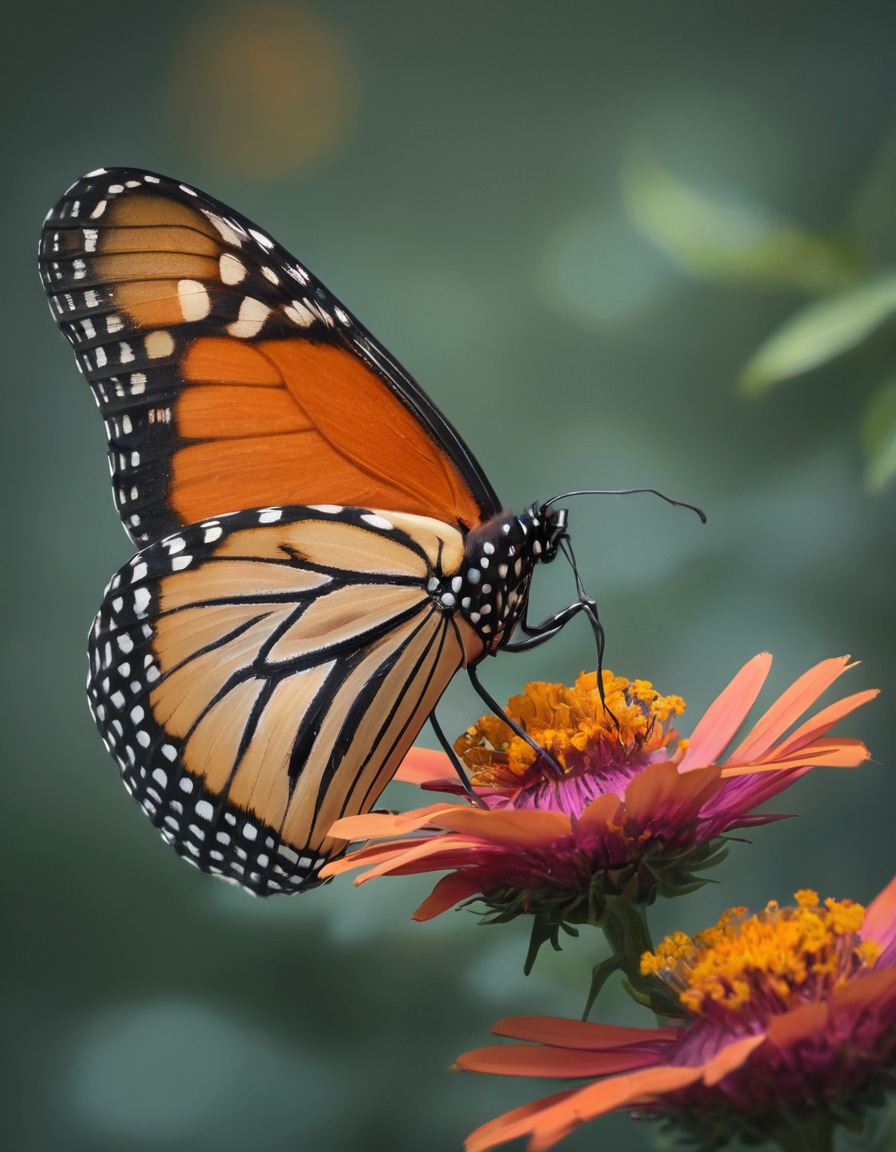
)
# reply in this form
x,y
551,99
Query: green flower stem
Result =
x,y
624,923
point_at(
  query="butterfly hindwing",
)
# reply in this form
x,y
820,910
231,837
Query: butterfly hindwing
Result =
x,y
227,375
259,674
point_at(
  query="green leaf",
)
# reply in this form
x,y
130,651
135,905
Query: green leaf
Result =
x,y
733,241
879,438
820,332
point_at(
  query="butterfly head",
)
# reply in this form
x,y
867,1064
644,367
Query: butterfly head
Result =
x,y
549,526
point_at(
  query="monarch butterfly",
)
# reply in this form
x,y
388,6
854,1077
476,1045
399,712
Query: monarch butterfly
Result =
x,y
320,551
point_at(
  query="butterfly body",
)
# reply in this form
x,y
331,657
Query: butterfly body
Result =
x,y
319,550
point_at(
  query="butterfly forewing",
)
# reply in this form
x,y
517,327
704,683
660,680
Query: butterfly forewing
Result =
x,y
260,674
227,375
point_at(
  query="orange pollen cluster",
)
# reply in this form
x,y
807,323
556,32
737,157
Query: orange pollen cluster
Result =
x,y
767,960
579,730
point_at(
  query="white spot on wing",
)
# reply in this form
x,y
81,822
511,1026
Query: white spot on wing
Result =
x,y
232,270
228,232
158,344
299,314
193,299
250,320
264,241
377,521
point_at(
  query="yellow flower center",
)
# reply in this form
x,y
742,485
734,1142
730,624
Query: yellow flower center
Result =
x,y
767,961
576,728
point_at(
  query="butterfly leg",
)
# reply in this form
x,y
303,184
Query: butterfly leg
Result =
x,y
512,724
537,633
455,762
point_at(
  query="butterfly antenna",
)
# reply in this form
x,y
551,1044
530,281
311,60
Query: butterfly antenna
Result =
x,y
628,492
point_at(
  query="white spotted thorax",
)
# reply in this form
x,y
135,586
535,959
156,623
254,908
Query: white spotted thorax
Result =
x,y
492,588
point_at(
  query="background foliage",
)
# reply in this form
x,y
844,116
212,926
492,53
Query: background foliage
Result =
x,y
583,229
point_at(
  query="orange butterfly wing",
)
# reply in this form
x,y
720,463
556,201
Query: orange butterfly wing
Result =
x,y
228,376
258,675
322,550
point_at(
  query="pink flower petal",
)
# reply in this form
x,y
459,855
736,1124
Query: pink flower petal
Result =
x,y
719,724
880,923
833,752
422,765
825,720
789,707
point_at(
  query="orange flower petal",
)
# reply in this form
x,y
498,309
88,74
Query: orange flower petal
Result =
x,y
450,890
662,787
789,706
719,724
607,809
386,823
370,854
422,765
522,827
871,992
536,1060
730,1058
867,993
407,857
579,1034
799,1024
512,1124
606,1096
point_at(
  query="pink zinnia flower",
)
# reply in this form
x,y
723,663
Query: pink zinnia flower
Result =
x,y
633,812
790,1026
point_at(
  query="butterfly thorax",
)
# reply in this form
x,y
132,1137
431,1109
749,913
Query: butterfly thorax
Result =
x,y
500,555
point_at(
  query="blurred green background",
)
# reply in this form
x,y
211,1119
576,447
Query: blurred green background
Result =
x,y
578,226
